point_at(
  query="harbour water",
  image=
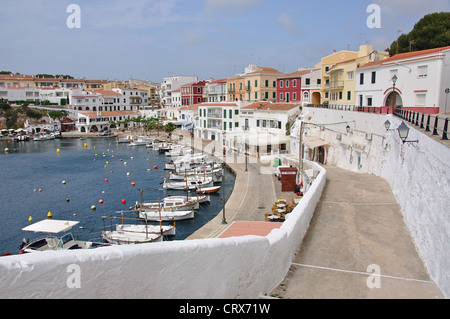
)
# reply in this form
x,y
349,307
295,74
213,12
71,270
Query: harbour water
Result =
x,y
103,170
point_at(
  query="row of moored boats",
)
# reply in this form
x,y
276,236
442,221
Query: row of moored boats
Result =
x,y
186,170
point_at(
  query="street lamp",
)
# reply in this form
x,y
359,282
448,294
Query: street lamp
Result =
x,y
403,131
387,125
394,80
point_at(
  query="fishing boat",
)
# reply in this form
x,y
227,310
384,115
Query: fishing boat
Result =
x,y
166,230
189,161
51,241
208,190
166,215
200,199
139,141
169,204
124,139
190,183
127,238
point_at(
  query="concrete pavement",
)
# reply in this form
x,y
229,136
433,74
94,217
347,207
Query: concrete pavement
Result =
x,y
357,224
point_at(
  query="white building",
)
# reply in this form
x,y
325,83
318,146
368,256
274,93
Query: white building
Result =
x,y
311,85
100,121
421,80
176,98
132,99
13,93
100,100
171,84
216,91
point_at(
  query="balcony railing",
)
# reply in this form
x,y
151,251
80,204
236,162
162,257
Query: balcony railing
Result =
x,y
336,85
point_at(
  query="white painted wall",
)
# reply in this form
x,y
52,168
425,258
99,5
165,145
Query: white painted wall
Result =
x,y
240,267
418,174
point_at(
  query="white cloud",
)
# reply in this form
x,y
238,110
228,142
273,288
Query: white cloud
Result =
x,y
289,25
233,7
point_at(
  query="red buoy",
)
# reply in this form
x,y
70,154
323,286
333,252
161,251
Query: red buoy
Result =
x,y
123,201
106,180
100,201
155,167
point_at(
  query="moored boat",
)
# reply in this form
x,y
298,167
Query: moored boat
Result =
x,y
208,190
126,238
166,215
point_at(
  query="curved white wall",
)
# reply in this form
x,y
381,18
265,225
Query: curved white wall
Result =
x,y
240,267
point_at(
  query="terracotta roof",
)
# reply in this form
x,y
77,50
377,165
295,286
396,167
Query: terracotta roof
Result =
x,y
407,55
265,70
105,92
297,73
218,81
266,106
109,113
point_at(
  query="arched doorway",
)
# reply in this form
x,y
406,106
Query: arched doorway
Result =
x,y
394,99
316,98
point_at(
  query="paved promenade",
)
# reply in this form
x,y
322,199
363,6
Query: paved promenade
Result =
x,y
357,223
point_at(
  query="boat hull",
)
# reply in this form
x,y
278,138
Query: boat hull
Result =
x,y
166,216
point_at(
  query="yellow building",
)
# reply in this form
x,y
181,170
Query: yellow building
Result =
x,y
150,90
256,84
94,85
342,82
16,80
326,64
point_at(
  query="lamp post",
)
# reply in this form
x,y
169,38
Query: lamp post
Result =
x,y
394,80
447,91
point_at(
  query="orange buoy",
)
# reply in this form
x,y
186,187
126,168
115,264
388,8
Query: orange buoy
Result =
x,y
133,183
155,167
100,201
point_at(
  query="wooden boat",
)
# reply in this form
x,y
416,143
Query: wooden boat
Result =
x,y
166,215
190,183
51,242
169,204
165,230
139,141
126,238
208,190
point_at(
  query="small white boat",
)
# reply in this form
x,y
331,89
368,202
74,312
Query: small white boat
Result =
x,y
189,183
126,238
51,242
166,216
169,204
166,230
139,141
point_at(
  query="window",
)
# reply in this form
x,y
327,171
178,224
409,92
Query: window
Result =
x,y
421,99
287,83
256,83
230,125
374,77
295,83
224,114
319,81
294,96
369,101
361,78
349,95
266,95
274,95
422,71
248,85
267,83
274,84
257,123
224,126
231,114
236,124
308,81
281,83
350,75
327,68
281,97
340,95
236,112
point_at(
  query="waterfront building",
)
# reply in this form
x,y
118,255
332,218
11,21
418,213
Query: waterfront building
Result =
x,y
266,127
192,93
103,120
188,116
342,85
100,100
415,81
132,99
256,83
170,84
176,98
218,119
216,91
73,83
325,64
13,93
311,84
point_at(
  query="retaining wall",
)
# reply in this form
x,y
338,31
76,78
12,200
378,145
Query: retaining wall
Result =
x,y
239,267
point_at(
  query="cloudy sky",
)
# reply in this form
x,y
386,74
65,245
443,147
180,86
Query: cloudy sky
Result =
x,y
152,39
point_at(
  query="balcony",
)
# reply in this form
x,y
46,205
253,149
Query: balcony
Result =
x,y
336,85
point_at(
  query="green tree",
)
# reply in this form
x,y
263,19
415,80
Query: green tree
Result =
x,y
432,31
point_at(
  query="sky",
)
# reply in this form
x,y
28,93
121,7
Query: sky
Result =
x,y
153,39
